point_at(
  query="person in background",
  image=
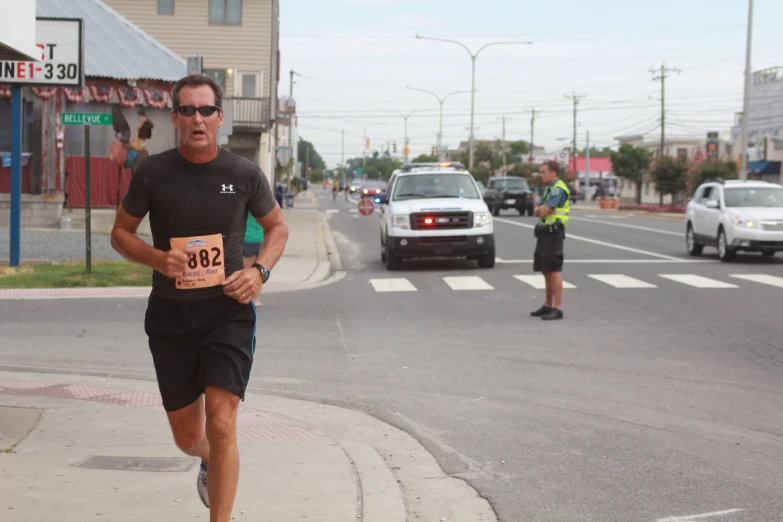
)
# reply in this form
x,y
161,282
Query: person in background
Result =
x,y
251,247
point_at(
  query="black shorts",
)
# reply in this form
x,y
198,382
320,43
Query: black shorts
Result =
x,y
548,256
200,343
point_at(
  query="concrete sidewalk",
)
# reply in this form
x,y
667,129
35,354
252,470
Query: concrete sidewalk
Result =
x,y
310,259
86,448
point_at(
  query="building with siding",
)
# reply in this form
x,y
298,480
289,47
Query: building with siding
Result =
x,y
122,65
239,43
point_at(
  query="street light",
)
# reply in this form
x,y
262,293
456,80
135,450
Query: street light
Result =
x,y
405,117
440,126
743,173
473,57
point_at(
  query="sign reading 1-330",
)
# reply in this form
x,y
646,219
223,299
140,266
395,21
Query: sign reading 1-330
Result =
x,y
62,56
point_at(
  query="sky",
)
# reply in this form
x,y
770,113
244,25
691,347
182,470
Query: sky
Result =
x,y
354,60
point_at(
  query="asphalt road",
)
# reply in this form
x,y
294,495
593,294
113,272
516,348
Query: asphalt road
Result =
x,y
647,403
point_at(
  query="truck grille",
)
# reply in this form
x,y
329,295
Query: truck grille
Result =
x,y
441,220
775,226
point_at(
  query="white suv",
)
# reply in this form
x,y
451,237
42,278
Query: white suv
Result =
x,y
435,211
735,215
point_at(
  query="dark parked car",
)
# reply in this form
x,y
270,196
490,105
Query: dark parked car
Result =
x,y
509,192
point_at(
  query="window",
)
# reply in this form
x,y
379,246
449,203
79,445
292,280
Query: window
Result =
x,y
225,12
754,197
435,186
165,7
219,75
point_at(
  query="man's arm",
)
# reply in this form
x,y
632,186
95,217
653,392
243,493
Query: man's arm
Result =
x,y
130,246
275,238
243,285
543,211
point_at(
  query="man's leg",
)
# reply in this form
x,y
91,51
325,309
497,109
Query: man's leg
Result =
x,y
221,430
554,289
187,424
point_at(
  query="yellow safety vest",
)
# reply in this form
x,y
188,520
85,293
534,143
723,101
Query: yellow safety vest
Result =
x,y
560,213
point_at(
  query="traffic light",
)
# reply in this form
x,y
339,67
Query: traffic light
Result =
x,y
433,151
394,148
367,145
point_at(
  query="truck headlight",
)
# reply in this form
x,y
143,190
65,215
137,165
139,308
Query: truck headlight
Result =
x,y
739,221
401,221
481,219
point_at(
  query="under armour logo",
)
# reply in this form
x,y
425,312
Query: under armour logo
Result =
x,y
227,189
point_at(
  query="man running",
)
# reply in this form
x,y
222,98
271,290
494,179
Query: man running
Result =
x,y
200,320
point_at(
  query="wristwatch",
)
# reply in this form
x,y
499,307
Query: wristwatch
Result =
x,y
264,271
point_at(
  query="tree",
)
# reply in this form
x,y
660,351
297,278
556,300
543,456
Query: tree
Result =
x,y
605,152
425,158
712,168
630,163
517,148
310,158
670,176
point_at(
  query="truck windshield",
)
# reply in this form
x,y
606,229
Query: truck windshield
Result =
x,y
510,183
442,185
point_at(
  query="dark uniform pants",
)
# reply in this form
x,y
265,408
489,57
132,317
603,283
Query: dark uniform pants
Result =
x,y
548,256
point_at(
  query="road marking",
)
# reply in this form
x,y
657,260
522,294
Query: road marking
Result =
x,y
467,283
392,285
621,281
637,227
761,278
697,281
596,242
332,211
354,211
699,517
537,281
610,261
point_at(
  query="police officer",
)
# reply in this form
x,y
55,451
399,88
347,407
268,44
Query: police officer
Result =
x,y
550,233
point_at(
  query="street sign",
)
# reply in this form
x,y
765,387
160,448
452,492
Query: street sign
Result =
x,y
86,118
195,64
366,207
61,58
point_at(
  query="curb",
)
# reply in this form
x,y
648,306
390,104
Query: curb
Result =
x,y
397,478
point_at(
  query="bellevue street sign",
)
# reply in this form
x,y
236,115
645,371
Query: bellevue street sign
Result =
x,y
84,118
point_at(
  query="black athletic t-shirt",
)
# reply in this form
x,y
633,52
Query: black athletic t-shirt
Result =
x,y
187,199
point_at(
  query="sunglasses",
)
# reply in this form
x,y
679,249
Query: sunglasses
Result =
x,y
190,110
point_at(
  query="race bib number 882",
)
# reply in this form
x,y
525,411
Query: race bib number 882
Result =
x,y
205,267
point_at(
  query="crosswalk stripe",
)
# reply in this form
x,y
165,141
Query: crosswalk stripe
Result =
x,y
332,210
621,281
697,281
537,281
392,285
467,283
761,278
353,210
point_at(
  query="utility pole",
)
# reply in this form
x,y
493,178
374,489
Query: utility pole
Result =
x,y
587,164
504,144
743,171
532,132
663,75
290,111
342,161
576,99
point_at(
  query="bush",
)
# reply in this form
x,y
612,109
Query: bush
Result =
x,y
647,207
296,184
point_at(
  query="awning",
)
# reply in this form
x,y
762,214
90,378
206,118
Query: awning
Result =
x,y
764,167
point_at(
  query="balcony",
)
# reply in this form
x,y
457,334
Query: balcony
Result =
x,y
250,114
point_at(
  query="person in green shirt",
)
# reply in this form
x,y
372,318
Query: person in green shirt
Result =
x,y
251,247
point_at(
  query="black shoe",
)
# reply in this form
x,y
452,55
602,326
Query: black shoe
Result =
x,y
553,315
544,310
